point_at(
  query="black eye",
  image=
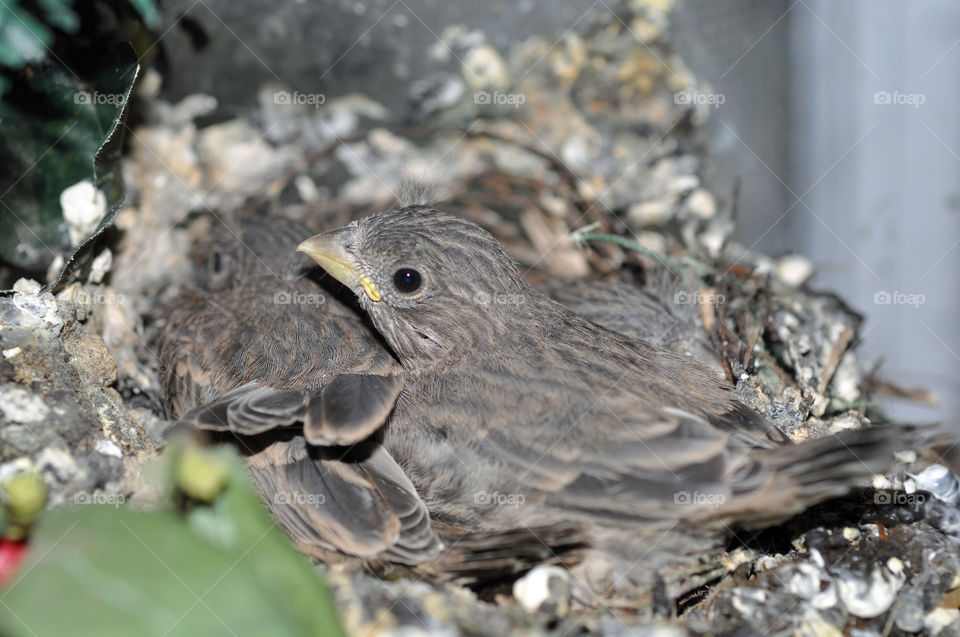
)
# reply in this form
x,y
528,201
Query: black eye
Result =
x,y
407,280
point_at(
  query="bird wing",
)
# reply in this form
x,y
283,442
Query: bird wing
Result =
x,y
613,456
353,501
650,465
345,410
612,451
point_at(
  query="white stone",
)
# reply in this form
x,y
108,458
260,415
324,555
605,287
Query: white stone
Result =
x,y
805,581
939,618
535,589
871,597
306,188
701,204
906,457
83,207
827,598
941,482
108,448
895,565
746,600
27,287
881,483
817,558
794,269
484,69
40,310
61,463
21,406
651,213
813,625
101,266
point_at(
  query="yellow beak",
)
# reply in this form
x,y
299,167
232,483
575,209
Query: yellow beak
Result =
x,y
327,250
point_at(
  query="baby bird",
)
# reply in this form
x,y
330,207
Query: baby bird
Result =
x,y
514,412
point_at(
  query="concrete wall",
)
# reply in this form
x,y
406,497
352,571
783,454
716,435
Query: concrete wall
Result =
x,y
841,118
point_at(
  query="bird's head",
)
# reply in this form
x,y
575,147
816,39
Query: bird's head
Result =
x,y
432,283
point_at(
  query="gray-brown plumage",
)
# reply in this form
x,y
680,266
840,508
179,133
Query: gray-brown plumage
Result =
x,y
514,411
651,314
495,408
266,352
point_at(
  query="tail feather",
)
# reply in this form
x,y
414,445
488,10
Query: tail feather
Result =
x,y
819,470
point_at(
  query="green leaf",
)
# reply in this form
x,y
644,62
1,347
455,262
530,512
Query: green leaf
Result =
x,y
148,12
59,14
54,134
23,37
113,571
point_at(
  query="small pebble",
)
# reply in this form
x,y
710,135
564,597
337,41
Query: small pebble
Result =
x,y
906,457
27,287
20,406
58,462
826,598
701,204
814,625
108,448
882,483
805,582
83,206
306,188
794,270
546,590
870,597
767,563
910,614
940,618
485,70
651,213
101,266
941,482
895,565
748,601
909,485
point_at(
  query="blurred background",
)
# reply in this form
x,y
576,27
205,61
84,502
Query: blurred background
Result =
x,y
840,119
